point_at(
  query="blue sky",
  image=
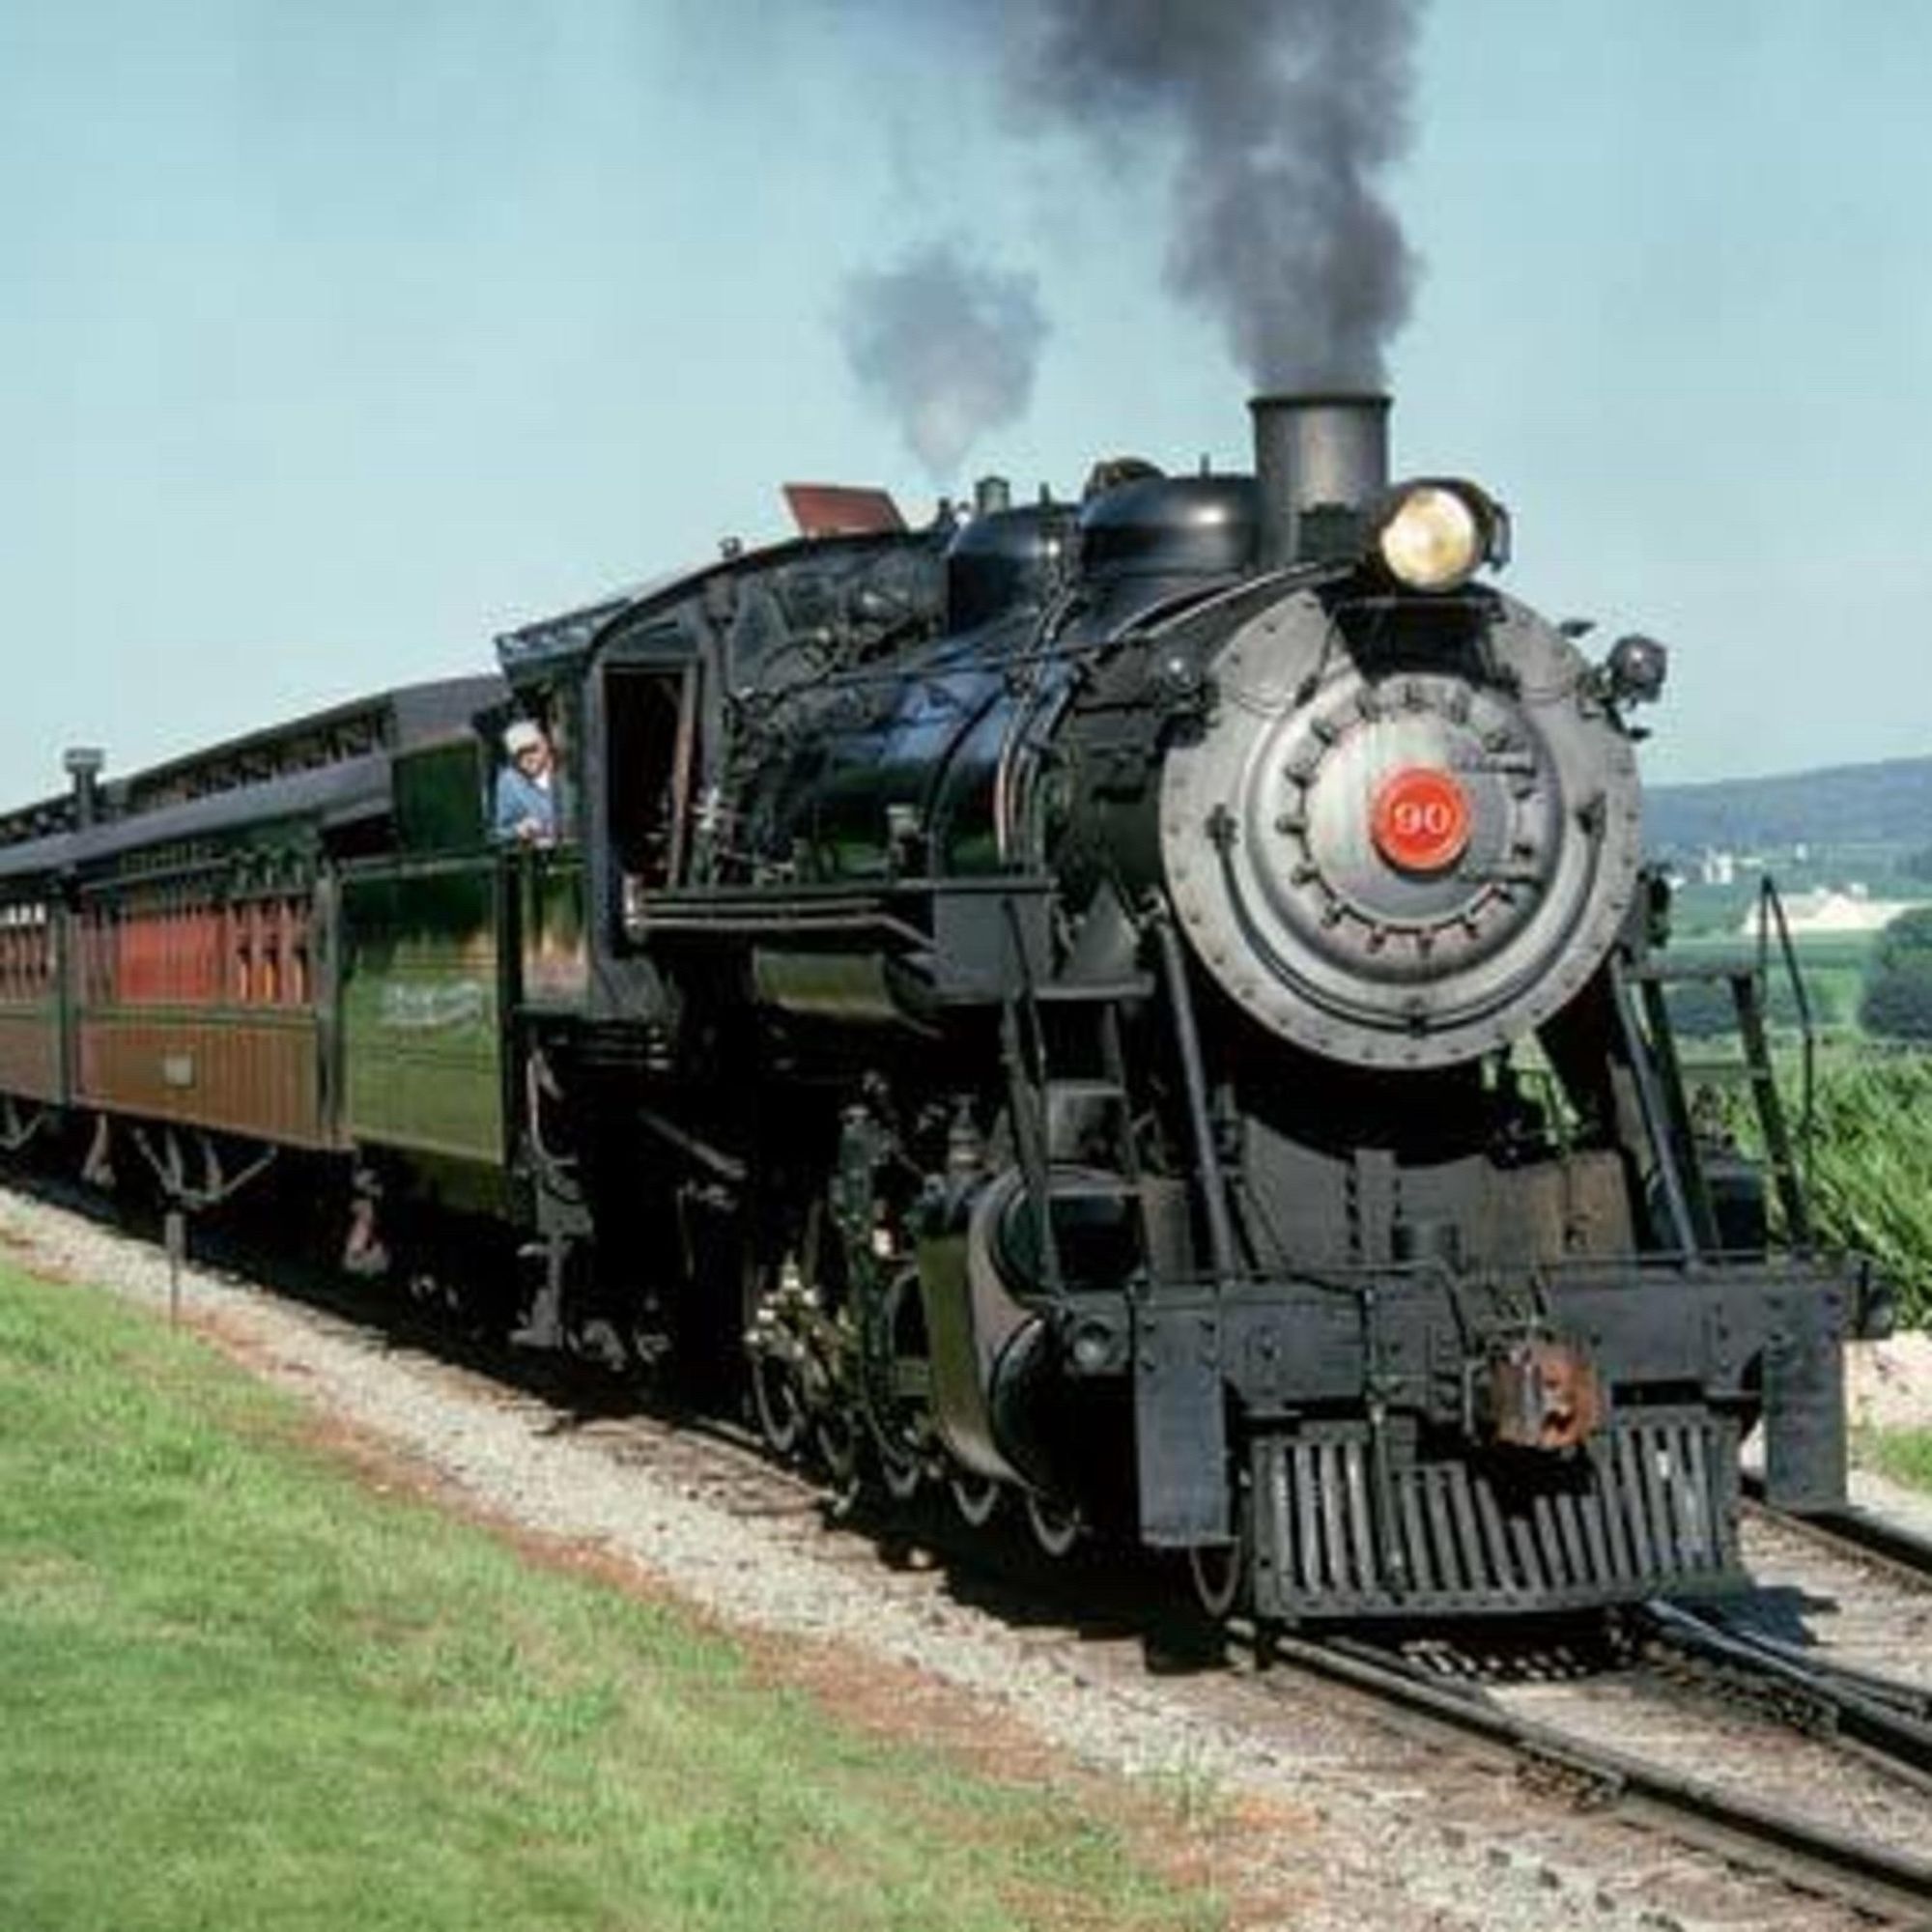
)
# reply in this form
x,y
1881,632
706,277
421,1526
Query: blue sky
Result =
x,y
338,338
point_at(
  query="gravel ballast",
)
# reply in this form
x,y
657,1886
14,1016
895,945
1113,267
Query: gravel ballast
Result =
x,y
1342,1821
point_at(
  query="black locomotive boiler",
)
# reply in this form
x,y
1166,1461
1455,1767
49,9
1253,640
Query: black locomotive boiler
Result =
x,y
1148,1006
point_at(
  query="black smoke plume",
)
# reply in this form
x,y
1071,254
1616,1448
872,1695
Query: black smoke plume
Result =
x,y
1286,111
946,344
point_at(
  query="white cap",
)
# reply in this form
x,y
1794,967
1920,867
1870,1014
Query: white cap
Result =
x,y
523,734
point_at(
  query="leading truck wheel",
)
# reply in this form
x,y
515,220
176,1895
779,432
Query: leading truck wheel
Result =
x,y
1219,1573
1223,1573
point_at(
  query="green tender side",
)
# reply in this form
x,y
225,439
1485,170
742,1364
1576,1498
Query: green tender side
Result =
x,y
555,970
421,1008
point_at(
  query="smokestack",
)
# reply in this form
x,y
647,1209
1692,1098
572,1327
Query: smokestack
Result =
x,y
83,763
1321,462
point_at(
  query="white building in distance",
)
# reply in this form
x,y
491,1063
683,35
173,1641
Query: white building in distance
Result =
x,y
1829,910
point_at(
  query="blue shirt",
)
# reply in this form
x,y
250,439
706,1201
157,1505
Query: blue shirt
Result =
x,y
520,798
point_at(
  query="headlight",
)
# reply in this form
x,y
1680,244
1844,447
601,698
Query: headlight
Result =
x,y
1434,535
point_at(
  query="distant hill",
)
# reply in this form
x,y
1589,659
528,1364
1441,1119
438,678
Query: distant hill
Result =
x,y
1886,804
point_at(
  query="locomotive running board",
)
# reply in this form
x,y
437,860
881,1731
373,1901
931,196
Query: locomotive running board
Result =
x,y
1648,1508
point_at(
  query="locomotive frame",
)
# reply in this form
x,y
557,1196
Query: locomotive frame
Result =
x,y
1050,999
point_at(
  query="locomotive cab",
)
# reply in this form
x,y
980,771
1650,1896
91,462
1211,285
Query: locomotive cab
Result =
x,y
650,723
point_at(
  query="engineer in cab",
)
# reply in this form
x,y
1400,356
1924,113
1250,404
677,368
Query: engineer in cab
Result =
x,y
528,804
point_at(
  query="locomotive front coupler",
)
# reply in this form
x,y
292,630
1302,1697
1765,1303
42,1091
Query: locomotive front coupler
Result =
x,y
1534,1390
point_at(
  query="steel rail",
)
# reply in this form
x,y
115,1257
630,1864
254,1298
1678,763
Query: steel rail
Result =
x,y
1867,1877
1882,1716
1853,1532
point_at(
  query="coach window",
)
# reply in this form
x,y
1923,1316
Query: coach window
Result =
x,y
301,970
269,952
244,949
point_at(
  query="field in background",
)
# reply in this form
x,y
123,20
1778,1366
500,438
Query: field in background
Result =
x,y
1871,1166
1834,966
1870,1140
1866,829
240,1687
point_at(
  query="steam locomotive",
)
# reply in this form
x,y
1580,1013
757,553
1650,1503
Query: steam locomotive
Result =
x,y
1149,1007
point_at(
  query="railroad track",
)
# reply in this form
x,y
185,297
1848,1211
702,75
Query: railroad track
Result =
x,y
1562,1760
1739,1697
1542,1734
1853,1533
1790,1729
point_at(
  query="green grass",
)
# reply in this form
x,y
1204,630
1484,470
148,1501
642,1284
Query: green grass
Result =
x,y
240,1688
1871,1168
1905,1455
1853,950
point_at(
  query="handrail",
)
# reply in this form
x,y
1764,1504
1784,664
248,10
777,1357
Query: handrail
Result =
x,y
1770,913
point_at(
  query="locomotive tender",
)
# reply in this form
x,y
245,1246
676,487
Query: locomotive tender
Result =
x,y
1150,1006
